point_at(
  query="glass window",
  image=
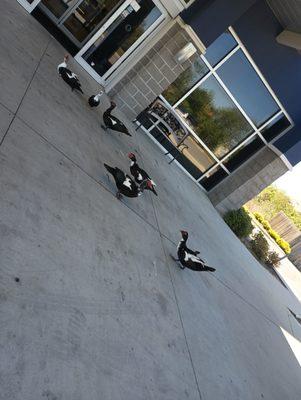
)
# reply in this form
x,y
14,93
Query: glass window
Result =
x,y
244,153
180,152
220,48
248,89
213,178
274,128
58,7
121,35
186,80
187,146
195,153
87,16
214,117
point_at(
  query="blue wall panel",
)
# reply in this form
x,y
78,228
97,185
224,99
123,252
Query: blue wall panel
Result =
x,y
280,65
209,18
257,27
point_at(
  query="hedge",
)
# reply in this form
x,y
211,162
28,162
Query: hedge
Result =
x,y
281,242
260,247
239,221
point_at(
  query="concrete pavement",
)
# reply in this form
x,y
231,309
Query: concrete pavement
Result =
x,y
101,311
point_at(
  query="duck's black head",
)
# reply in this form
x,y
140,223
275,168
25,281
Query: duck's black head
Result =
x,y
184,235
132,157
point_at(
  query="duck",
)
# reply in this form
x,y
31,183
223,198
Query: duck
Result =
x,y
94,100
189,258
139,174
113,123
125,184
68,76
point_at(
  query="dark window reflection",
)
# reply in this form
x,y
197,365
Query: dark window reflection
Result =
x,y
213,178
214,117
274,128
121,35
220,48
159,132
244,153
248,89
186,80
88,15
57,7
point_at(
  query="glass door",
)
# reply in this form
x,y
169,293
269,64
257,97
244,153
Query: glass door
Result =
x,y
87,16
29,5
119,37
79,19
57,9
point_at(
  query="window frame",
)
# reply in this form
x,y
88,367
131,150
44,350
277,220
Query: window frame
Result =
x,y
107,76
213,71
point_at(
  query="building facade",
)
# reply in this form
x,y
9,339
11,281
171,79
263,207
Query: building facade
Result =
x,y
227,90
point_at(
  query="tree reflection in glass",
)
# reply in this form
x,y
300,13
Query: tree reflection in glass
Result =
x,y
186,80
214,117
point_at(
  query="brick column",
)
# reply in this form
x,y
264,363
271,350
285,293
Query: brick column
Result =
x,y
152,74
247,181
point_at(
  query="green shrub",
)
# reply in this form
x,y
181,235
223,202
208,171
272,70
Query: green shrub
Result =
x,y
273,259
274,235
281,242
240,222
260,247
263,221
266,225
258,216
285,246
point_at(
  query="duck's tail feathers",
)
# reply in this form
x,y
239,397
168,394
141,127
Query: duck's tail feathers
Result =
x,y
109,169
207,268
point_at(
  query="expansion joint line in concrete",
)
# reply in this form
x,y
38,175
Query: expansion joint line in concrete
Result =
x,y
25,92
157,229
177,305
221,282
98,182
290,322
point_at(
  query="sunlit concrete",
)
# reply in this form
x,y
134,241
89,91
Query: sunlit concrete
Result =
x,y
101,311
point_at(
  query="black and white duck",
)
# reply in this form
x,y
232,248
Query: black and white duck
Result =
x,y
94,100
189,258
68,76
139,174
125,184
113,123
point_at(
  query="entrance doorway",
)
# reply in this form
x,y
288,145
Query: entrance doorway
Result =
x,y
102,33
79,19
119,36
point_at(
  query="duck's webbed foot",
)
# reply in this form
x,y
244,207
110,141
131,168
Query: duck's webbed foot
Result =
x,y
105,128
174,258
118,195
177,261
